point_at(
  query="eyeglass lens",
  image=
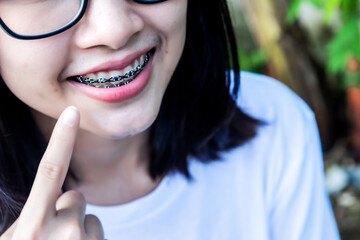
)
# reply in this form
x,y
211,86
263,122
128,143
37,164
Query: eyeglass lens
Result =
x,y
33,17
38,17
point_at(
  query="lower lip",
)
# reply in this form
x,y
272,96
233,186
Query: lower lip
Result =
x,y
117,94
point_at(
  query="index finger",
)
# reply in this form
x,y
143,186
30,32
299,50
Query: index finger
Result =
x,y
53,166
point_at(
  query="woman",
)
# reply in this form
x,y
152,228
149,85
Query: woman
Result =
x,y
152,83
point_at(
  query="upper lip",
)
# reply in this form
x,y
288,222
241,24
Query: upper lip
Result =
x,y
114,65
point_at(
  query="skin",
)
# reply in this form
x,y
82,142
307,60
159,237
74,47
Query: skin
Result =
x,y
45,215
109,151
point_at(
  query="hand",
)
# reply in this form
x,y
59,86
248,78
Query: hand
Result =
x,y
46,215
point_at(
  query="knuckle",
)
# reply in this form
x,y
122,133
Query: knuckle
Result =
x,y
93,222
75,194
72,231
71,203
76,197
98,236
92,217
50,170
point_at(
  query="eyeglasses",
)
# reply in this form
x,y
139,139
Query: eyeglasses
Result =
x,y
36,19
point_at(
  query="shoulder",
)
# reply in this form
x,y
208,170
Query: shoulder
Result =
x,y
270,100
286,143
282,140
279,173
287,138
288,126
288,120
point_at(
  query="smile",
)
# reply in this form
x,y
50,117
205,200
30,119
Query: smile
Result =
x,y
116,78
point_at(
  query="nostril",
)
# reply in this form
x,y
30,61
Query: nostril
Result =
x,y
109,25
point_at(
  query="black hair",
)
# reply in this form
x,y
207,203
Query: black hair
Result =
x,y
198,116
21,148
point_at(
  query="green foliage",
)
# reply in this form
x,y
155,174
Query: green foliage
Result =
x,y
293,11
252,62
351,79
350,8
328,7
344,44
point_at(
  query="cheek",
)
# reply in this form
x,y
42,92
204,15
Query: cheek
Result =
x,y
168,19
31,68
170,22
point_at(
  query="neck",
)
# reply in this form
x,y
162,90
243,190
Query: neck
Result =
x,y
116,170
108,171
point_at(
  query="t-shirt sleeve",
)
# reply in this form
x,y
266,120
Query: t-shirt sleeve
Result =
x,y
300,207
288,149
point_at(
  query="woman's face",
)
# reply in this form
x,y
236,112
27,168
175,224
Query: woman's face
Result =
x,y
112,38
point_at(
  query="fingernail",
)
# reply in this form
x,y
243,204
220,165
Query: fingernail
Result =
x,y
70,117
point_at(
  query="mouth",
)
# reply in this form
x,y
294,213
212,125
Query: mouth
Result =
x,y
115,78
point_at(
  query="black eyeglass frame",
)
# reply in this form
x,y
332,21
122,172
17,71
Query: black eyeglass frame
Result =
x,y
76,19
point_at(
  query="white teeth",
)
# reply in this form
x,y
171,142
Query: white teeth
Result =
x,y
115,73
115,78
142,58
121,72
136,63
128,68
101,75
91,76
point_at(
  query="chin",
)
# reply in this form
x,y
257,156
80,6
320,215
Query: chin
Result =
x,y
123,131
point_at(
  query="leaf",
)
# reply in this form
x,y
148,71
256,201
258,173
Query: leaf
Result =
x,y
346,43
349,7
253,61
330,7
352,79
318,3
293,11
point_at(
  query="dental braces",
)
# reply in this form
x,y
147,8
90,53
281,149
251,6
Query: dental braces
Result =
x,y
130,75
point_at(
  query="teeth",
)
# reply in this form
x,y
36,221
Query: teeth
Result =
x,y
115,73
136,63
91,76
101,75
115,78
142,58
127,69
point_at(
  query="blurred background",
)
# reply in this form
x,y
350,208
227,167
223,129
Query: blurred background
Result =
x,y
313,46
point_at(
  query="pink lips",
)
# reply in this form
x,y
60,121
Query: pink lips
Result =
x,y
117,94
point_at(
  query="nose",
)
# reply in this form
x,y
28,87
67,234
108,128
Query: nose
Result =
x,y
109,23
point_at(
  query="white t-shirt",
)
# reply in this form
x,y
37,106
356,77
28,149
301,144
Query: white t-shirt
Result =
x,y
270,188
